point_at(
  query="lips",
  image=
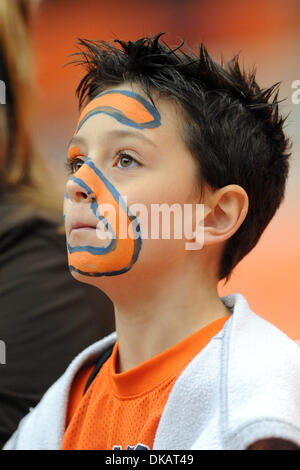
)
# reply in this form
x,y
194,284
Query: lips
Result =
x,y
83,224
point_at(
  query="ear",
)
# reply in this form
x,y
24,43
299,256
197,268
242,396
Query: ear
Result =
x,y
225,210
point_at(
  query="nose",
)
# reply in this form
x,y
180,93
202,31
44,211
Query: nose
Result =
x,y
79,192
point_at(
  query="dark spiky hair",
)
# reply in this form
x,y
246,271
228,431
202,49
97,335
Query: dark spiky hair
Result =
x,y
233,127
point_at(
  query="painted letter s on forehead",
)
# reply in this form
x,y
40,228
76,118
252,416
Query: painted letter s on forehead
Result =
x,y
127,107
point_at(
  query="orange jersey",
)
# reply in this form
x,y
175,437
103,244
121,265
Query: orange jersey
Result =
x,y
122,411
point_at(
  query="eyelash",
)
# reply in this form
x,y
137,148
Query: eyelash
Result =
x,y
124,154
69,163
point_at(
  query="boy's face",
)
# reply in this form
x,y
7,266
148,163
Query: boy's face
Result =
x,y
125,152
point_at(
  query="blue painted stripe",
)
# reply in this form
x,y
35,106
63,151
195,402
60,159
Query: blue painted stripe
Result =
x,y
81,183
108,273
94,250
116,195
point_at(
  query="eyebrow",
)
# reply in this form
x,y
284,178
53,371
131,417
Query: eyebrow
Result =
x,y
75,140
116,133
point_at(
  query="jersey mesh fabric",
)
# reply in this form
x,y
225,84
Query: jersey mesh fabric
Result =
x,y
123,410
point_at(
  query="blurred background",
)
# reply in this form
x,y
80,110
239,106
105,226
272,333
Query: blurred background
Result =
x,y
266,33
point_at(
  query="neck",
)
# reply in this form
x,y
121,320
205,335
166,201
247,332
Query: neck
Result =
x,y
161,314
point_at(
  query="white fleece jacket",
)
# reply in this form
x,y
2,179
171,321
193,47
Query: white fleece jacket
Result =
x,y
242,387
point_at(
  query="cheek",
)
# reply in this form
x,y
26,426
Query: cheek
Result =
x,y
84,255
66,208
165,221
163,197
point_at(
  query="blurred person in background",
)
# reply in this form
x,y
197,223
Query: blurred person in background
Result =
x,y
43,310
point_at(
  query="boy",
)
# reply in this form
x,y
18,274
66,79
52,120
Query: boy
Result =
x,y
185,369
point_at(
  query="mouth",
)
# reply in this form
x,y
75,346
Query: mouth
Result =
x,y
77,226
87,233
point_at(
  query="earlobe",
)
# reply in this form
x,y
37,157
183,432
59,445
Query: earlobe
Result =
x,y
228,209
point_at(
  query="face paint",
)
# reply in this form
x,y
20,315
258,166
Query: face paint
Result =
x,y
73,152
120,254
127,107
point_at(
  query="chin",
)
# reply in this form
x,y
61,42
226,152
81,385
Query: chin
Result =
x,y
106,283
80,277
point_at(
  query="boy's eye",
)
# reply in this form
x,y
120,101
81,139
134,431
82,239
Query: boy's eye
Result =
x,y
126,161
74,164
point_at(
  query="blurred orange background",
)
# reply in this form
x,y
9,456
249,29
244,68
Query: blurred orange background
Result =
x,y
266,33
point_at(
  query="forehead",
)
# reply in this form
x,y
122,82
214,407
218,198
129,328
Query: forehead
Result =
x,y
128,107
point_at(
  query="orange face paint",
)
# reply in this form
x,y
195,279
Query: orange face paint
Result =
x,y
74,152
125,106
121,253
133,110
